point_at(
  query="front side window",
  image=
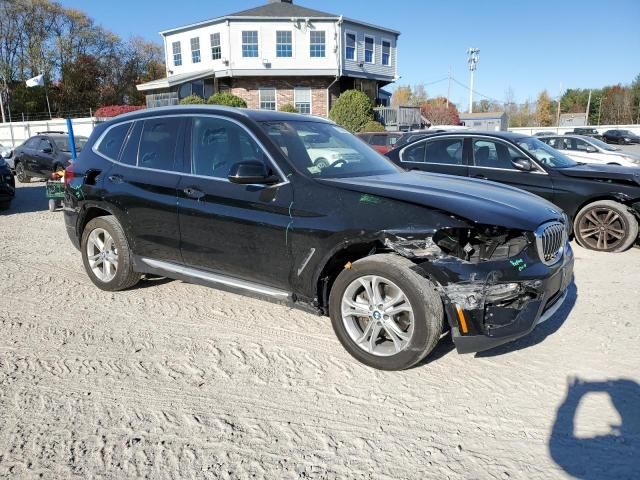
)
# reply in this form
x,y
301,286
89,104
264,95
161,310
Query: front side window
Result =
x,y
386,52
195,50
317,44
218,144
250,43
158,143
113,140
493,154
216,49
267,98
544,153
325,150
177,54
350,46
284,46
302,99
369,43
444,150
414,153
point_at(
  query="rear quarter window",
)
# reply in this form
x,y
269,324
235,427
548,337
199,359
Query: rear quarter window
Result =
x,y
111,143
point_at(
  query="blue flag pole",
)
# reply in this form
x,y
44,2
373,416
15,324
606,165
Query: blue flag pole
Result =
x,y
72,140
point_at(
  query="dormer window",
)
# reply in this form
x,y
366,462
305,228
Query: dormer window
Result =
x,y
284,46
250,43
317,44
195,50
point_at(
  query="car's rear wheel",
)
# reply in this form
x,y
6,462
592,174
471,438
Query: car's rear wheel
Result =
x,y
606,226
106,255
384,313
321,163
21,175
620,141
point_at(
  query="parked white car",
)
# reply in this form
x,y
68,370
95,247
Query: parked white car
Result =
x,y
591,150
326,151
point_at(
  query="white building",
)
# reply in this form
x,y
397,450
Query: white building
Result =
x,y
276,54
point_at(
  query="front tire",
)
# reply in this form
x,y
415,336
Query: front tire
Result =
x,y
620,142
106,255
605,226
321,163
21,175
384,313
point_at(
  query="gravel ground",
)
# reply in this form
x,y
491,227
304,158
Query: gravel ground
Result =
x,y
172,380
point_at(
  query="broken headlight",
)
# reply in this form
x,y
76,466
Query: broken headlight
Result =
x,y
481,244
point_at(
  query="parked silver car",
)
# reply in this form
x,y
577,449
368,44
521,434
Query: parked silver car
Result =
x,y
590,150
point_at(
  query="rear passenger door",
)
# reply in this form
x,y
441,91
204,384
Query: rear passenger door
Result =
x,y
493,160
142,183
438,155
236,230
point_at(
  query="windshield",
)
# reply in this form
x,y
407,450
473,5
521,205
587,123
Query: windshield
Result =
x,y
324,150
63,143
603,146
546,155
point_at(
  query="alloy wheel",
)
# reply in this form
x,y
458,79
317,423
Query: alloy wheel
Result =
x,y
377,315
20,172
102,255
602,229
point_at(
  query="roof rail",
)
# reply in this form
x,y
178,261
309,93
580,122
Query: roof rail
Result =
x,y
44,132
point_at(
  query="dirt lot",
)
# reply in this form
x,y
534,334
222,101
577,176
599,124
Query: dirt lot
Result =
x,y
172,380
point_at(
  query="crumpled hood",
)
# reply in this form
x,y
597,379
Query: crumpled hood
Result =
x,y
605,172
479,201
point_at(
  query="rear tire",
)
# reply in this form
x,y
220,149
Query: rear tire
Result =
x,y
21,175
52,205
605,226
620,142
321,163
117,253
419,331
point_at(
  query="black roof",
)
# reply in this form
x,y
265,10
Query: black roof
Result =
x,y
280,9
504,135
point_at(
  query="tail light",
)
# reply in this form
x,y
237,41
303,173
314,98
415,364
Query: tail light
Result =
x,y
68,174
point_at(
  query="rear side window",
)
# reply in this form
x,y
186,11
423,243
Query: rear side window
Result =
x,y
414,153
158,143
444,150
112,142
379,140
129,154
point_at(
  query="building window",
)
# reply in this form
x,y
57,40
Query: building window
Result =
x,y
317,45
177,54
267,98
195,50
283,44
216,50
250,43
386,52
369,43
302,99
350,46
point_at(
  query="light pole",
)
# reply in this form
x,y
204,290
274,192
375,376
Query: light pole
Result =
x,y
473,58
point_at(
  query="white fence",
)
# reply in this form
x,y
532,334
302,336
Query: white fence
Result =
x,y
13,134
562,130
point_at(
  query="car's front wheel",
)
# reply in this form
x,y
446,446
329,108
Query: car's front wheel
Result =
x,y
606,226
384,313
321,163
21,174
106,255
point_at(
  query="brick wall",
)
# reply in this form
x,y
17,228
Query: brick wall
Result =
x,y
247,88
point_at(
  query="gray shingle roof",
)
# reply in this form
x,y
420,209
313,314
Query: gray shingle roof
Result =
x,y
278,9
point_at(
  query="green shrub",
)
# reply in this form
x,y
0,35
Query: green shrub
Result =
x,y
353,110
288,107
228,99
373,126
192,100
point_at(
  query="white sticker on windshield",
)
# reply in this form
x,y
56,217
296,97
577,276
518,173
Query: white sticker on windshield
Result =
x,y
313,169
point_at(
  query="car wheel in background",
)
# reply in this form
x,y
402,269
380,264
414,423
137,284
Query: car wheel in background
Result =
x,y
606,226
106,255
21,175
385,314
52,205
620,141
321,163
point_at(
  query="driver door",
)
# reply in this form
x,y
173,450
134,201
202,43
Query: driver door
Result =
x,y
493,160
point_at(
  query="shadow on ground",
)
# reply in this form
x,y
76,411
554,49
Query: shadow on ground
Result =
x,y
28,199
541,331
614,455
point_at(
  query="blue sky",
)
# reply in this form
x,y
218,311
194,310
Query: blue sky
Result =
x,y
525,45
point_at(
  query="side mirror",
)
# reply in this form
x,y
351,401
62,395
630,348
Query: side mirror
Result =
x,y
47,150
247,173
523,164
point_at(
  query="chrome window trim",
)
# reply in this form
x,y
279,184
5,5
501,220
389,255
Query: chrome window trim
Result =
x,y
425,140
277,168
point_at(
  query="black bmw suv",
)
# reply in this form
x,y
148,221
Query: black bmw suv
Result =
x,y
232,199
43,154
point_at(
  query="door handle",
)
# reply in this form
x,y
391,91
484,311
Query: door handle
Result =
x,y
194,193
115,178
481,177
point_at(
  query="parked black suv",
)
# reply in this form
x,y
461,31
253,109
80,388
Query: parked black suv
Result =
x,y
43,154
586,131
7,185
603,201
231,198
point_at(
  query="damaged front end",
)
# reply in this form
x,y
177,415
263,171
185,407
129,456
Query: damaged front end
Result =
x,y
494,282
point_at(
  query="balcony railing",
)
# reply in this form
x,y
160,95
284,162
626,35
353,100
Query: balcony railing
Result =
x,y
399,118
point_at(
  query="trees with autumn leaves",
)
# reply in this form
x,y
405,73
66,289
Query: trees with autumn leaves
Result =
x,y
85,66
437,110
